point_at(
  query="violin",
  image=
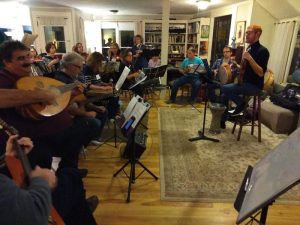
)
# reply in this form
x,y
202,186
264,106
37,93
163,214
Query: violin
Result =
x,y
20,170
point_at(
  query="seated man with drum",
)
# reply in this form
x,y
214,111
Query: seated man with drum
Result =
x,y
224,71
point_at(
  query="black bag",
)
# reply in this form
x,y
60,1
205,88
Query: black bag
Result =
x,y
289,98
69,198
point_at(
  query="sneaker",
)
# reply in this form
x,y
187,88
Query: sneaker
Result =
x,y
96,142
92,202
238,110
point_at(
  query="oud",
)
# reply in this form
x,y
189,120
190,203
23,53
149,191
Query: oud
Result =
x,y
38,111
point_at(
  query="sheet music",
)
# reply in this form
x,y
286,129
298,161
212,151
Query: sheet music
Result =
x,y
135,111
129,108
122,78
138,82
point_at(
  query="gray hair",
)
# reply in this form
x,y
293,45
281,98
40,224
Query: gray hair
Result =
x,y
70,58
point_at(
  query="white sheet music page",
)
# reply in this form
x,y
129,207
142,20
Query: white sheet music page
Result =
x,y
129,109
122,78
138,112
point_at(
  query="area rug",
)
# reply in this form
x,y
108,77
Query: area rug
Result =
x,y
207,171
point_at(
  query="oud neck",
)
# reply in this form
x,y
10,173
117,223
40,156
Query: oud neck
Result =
x,y
67,87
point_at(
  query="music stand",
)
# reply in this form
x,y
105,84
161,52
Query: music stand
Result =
x,y
271,177
201,134
130,123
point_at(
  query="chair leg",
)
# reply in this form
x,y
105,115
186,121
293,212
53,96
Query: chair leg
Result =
x,y
234,126
253,115
259,119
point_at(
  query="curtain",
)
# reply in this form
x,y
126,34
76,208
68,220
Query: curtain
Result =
x,y
280,49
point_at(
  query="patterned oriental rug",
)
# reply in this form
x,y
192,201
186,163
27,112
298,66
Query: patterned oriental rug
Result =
x,y
207,171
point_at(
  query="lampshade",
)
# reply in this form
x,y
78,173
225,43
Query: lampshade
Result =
x,y
203,4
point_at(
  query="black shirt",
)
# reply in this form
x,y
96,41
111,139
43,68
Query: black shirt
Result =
x,y
261,56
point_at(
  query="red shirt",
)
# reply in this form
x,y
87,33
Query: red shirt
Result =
x,y
27,127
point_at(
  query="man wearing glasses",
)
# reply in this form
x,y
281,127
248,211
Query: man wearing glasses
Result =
x,y
253,67
226,67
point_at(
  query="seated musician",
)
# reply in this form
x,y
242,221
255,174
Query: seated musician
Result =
x,y
55,135
72,64
127,60
32,205
92,77
231,72
78,48
25,206
253,67
51,60
189,76
114,53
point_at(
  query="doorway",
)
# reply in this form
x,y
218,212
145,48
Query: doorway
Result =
x,y
220,36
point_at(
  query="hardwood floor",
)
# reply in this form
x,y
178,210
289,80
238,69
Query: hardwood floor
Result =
x,y
145,207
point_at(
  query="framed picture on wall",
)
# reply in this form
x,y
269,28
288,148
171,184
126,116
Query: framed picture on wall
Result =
x,y
240,32
204,31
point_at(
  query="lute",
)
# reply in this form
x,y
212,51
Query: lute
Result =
x,y
20,170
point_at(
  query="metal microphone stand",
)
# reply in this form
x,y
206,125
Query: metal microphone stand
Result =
x,y
201,134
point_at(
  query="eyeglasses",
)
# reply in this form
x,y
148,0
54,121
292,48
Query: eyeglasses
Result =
x,y
79,67
226,51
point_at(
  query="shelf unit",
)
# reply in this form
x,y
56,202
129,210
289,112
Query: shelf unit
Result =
x,y
182,35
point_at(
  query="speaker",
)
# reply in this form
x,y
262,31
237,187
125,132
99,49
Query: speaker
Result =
x,y
140,141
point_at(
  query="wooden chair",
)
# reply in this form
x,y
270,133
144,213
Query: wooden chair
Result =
x,y
251,121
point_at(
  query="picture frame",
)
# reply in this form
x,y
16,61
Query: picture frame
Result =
x,y
240,32
204,31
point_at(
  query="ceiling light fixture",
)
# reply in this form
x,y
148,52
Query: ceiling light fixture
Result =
x,y
203,4
114,11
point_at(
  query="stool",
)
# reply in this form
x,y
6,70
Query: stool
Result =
x,y
217,111
244,121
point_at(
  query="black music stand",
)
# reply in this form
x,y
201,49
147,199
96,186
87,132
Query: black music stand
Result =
x,y
271,177
201,134
129,132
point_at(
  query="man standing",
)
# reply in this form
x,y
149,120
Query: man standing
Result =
x,y
188,68
253,67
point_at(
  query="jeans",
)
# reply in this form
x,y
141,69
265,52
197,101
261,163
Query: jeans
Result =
x,y
233,91
192,79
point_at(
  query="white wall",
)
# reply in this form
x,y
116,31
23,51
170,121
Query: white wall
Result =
x,y
13,16
263,18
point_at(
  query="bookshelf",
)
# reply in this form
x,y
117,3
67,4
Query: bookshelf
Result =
x,y
152,35
182,35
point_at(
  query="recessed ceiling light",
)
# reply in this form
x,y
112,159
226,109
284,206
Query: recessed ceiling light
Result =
x,y
114,11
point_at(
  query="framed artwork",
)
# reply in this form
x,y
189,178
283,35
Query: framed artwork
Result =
x,y
204,31
240,32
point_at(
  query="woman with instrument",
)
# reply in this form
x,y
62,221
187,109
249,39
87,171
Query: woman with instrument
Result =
x,y
51,60
253,67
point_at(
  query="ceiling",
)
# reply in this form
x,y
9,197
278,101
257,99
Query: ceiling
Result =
x,y
279,9
131,7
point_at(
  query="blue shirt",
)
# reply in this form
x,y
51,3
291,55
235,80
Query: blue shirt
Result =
x,y
195,61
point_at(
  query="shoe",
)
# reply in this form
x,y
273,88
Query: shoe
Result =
x,y
238,110
223,125
83,172
92,202
96,142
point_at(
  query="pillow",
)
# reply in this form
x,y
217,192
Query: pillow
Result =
x,y
296,76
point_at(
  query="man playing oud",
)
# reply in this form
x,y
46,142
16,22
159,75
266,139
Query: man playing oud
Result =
x,y
253,67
